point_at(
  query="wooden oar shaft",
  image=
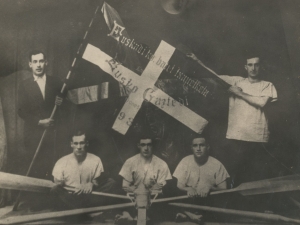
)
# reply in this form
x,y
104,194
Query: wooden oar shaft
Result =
x,y
102,194
59,214
142,216
185,196
18,182
278,184
254,215
170,199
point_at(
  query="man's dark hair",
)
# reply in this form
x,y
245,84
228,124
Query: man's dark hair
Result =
x,y
35,52
78,133
251,57
197,136
250,54
145,136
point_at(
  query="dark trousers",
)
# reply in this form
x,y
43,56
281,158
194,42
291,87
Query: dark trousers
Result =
x,y
247,161
45,160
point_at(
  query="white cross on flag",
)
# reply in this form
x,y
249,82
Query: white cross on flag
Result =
x,y
138,68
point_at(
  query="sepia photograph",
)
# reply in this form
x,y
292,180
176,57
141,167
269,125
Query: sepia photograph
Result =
x,y
158,112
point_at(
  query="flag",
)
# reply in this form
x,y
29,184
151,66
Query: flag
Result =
x,y
149,88
140,72
89,94
88,75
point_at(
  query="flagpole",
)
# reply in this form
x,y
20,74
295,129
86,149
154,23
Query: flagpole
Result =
x,y
55,106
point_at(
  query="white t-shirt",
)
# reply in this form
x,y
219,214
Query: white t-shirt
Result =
x,y
247,122
190,174
74,174
135,172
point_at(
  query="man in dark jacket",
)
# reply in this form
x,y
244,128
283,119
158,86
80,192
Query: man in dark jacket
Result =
x,y
36,98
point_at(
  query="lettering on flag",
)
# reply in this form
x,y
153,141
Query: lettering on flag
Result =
x,y
116,32
139,85
148,79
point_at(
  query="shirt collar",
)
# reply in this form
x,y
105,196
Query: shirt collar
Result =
x,y
43,78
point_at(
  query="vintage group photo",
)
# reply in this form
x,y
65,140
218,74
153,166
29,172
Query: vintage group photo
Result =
x,y
157,112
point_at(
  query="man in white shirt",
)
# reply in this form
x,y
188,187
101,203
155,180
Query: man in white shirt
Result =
x,y
247,120
247,123
199,174
81,170
37,96
144,171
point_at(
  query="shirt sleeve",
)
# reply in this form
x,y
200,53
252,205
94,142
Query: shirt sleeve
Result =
x,y
126,171
180,172
221,174
230,79
270,91
164,174
99,168
57,172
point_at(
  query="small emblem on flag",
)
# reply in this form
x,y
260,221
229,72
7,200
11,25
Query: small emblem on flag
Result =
x,y
116,32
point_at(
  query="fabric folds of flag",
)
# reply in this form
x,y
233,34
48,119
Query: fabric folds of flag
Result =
x,y
139,71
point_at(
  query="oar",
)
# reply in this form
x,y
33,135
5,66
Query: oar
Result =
x,y
253,215
274,185
101,193
22,183
277,184
59,214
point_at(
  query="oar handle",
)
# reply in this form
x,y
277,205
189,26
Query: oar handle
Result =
x,y
100,193
185,196
170,199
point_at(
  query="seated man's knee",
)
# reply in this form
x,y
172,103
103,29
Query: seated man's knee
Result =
x,y
107,186
58,190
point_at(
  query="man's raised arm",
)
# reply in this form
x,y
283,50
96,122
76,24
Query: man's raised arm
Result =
x,y
257,101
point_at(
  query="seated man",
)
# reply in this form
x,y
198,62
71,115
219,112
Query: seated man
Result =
x,y
82,171
143,172
199,174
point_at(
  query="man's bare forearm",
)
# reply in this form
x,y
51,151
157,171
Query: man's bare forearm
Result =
x,y
254,100
95,183
183,187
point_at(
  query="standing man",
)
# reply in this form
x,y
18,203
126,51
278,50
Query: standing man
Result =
x,y
248,126
144,171
247,120
199,174
81,170
36,98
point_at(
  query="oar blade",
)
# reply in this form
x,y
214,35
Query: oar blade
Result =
x,y
60,214
22,183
